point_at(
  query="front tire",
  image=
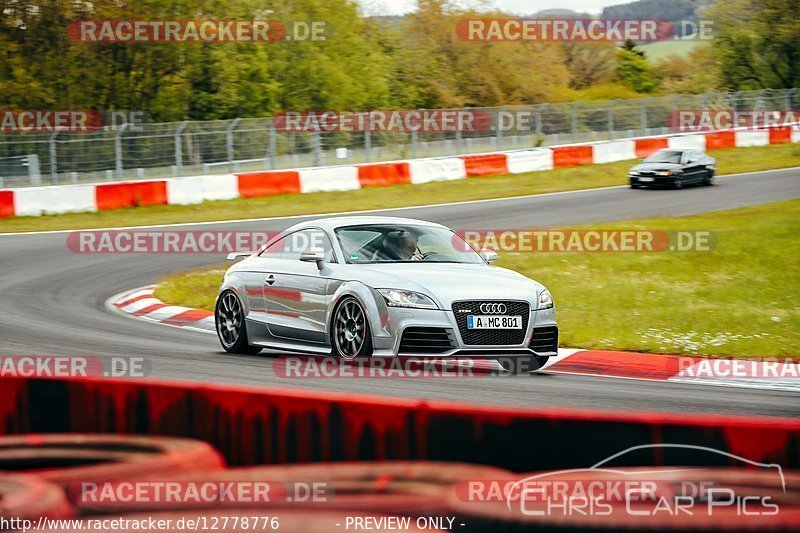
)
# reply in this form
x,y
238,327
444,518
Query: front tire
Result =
x,y
350,333
231,326
709,179
678,183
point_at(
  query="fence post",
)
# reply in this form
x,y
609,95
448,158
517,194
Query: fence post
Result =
x,y
316,147
414,144
575,107
368,141
179,148
34,173
229,141
611,118
53,159
500,127
643,115
118,149
760,100
788,99
675,107
538,120
273,146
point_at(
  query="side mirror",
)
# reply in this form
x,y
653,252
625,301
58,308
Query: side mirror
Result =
x,y
233,256
490,256
313,255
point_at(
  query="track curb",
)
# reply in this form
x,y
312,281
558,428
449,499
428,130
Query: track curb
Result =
x,y
694,370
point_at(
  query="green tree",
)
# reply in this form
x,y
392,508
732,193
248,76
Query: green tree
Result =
x,y
757,43
634,70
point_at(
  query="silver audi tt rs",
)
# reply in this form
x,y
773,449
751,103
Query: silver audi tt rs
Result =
x,y
360,286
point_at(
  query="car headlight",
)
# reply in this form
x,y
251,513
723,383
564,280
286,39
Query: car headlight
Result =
x,y
664,173
545,300
401,298
634,173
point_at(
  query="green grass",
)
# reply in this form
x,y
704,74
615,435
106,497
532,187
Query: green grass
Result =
x,y
563,179
196,289
663,49
740,299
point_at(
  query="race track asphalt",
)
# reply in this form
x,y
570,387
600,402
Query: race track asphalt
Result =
x,y
52,302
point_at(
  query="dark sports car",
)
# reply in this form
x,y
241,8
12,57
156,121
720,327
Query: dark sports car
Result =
x,y
674,168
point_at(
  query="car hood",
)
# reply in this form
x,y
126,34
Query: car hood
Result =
x,y
448,282
656,166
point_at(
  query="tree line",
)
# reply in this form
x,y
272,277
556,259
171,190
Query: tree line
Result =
x,y
415,61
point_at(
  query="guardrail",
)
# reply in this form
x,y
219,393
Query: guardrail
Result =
x,y
166,150
35,201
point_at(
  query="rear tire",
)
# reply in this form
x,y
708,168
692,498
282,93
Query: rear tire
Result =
x,y
231,325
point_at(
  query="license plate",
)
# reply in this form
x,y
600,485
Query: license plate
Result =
x,y
494,322
646,179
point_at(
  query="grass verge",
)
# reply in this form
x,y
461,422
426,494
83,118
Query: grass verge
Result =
x,y
728,162
739,299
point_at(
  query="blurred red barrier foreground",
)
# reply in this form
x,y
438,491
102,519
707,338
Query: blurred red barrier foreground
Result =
x,y
411,488
635,499
27,497
70,460
261,426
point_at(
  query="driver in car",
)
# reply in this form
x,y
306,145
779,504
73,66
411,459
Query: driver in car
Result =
x,y
398,245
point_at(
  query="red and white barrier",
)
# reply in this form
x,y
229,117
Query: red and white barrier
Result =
x,y
613,151
690,142
444,169
485,164
197,189
35,201
329,179
530,160
752,138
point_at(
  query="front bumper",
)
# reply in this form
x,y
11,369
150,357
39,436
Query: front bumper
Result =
x,y
645,181
400,319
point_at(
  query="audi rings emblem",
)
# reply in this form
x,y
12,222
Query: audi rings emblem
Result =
x,y
495,309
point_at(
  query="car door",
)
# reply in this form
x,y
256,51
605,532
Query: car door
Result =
x,y
693,167
296,292
259,267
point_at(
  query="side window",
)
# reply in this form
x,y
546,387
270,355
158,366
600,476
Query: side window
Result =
x,y
274,250
300,241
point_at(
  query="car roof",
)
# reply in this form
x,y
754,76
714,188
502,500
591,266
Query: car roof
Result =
x,y
331,223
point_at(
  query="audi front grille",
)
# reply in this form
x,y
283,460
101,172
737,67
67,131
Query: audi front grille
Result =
x,y
545,340
491,337
426,340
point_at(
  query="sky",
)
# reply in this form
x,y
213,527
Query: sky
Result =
x,y
517,7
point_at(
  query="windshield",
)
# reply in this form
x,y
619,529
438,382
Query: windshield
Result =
x,y
665,156
391,243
